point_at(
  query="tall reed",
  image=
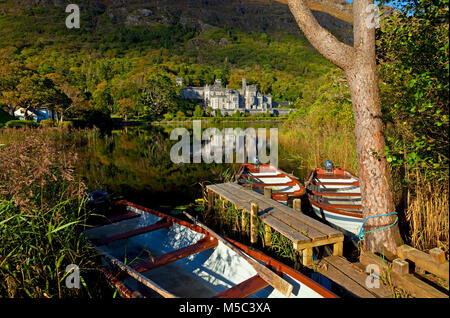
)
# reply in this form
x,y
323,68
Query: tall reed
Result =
x,y
428,213
42,216
307,147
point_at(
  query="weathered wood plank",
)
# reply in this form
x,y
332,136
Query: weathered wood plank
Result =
x,y
337,276
408,282
267,208
295,236
204,244
424,261
328,230
161,224
244,289
354,273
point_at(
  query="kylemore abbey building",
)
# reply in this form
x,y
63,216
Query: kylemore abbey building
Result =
x,y
246,99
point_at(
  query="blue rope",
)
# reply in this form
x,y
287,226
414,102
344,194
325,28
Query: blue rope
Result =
x,y
362,233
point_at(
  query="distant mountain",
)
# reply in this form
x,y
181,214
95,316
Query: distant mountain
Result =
x,y
247,15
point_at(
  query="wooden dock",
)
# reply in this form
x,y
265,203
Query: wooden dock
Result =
x,y
350,277
304,231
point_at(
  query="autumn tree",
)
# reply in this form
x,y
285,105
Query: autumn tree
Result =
x,y
35,91
125,106
359,64
160,95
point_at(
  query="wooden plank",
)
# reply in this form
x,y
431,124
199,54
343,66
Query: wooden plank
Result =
x,y
352,272
140,278
424,261
407,282
437,255
334,274
416,287
267,209
240,204
244,289
204,244
118,218
316,243
265,273
323,228
119,286
254,223
161,224
293,234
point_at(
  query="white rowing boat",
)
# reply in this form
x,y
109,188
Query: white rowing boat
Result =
x,y
335,196
284,187
159,255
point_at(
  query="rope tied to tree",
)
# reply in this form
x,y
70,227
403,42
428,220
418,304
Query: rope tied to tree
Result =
x,y
362,233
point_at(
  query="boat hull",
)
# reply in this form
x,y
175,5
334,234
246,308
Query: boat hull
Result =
x,y
208,273
336,198
284,187
350,225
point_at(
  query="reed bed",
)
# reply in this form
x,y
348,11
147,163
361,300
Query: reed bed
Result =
x,y
42,217
428,214
308,147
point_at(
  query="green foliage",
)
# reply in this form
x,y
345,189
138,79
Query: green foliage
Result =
x,y
104,63
20,123
159,96
413,57
198,112
47,123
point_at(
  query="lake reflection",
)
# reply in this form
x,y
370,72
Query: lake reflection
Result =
x,y
135,163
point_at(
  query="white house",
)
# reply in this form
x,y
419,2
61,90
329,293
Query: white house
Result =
x,y
34,114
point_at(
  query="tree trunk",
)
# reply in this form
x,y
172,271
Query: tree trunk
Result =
x,y
373,168
359,65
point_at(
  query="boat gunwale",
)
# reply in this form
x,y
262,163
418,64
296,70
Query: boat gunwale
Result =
x,y
281,194
258,255
335,209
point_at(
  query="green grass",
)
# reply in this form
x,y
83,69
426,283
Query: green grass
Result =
x,y
37,245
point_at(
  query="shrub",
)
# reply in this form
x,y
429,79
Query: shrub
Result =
x,y
47,123
20,123
66,124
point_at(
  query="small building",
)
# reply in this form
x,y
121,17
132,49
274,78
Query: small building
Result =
x,y
35,114
246,99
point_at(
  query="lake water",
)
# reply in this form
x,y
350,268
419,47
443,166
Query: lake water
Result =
x,y
135,163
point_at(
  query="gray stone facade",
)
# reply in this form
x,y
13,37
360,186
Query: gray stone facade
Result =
x,y
246,99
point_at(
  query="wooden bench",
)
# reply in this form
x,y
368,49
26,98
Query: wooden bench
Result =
x,y
304,231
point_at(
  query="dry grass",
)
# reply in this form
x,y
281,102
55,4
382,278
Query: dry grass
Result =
x,y
428,214
309,147
42,217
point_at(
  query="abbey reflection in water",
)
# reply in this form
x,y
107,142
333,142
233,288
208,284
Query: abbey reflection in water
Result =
x,y
135,163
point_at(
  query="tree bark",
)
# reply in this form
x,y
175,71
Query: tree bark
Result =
x,y
359,65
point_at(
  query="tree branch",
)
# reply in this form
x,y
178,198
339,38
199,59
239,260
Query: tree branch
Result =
x,y
323,41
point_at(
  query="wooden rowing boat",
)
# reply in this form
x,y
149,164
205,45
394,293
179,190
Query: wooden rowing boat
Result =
x,y
156,255
335,196
284,186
